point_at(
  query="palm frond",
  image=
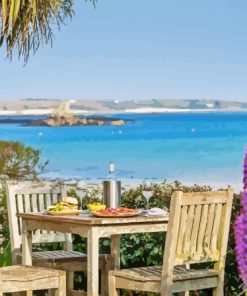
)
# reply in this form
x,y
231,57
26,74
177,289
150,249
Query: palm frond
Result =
x,y
27,24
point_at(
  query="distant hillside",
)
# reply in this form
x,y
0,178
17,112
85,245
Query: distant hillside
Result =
x,y
45,106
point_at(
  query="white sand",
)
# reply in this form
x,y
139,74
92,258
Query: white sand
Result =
x,y
5,112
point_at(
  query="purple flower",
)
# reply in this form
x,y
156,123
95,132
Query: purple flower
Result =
x,y
240,230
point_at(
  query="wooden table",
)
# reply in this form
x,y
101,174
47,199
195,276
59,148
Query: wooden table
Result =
x,y
92,228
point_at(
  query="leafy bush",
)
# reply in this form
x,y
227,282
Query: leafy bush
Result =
x,y
5,258
16,161
19,161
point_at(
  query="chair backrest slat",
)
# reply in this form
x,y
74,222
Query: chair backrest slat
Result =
x,y
34,198
195,228
48,198
197,198
41,203
55,197
198,229
216,226
209,227
27,202
182,229
29,196
188,231
201,232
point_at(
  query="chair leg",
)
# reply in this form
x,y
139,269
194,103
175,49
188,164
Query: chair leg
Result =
x,y
167,292
103,281
219,291
26,293
61,290
51,292
112,286
23,293
70,281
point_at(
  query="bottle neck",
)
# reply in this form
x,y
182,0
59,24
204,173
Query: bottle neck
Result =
x,y
111,171
111,168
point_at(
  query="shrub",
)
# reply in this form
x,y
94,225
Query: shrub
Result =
x,y
19,161
16,161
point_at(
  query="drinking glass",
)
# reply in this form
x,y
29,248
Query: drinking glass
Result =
x,y
147,194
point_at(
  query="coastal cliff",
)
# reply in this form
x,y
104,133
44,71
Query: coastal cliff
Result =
x,y
41,107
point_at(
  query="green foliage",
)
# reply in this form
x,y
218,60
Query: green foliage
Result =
x,y
162,193
16,161
5,257
19,161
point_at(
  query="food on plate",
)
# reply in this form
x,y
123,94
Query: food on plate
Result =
x,y
66,205
96,206
72,202
118,212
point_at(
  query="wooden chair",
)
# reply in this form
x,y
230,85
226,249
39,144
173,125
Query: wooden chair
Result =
x,y
197,232
29,196
21,278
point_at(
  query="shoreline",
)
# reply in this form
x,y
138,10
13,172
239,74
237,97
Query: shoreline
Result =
x,y
45,112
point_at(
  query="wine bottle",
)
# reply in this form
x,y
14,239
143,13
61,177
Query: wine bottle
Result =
x,y
112,188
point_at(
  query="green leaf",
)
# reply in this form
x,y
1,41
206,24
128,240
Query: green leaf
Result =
x,y
16,9
5,258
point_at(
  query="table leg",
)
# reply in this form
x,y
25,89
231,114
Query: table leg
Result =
x,y
115,251
26,245
93,262
26,250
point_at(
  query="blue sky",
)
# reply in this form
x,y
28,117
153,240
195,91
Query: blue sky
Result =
x,y
139,50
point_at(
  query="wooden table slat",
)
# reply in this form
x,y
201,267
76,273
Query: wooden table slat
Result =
x,y
91,220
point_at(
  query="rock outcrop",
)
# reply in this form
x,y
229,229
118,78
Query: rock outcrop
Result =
x,y
73,121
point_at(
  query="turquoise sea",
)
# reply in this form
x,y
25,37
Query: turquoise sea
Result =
x,y
205,148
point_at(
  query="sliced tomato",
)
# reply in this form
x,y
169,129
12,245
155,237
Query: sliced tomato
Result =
x,y
117,211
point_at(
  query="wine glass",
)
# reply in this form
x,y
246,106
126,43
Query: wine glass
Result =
x,y
82,194
147,194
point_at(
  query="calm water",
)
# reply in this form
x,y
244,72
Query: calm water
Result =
x,y
203,148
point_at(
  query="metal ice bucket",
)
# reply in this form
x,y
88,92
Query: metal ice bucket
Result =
x,y
112,193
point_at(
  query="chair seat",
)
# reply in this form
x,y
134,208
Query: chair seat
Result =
x,y
20,278
69,261
153,273
59,255
23,273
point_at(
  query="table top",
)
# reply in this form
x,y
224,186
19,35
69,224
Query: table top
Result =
x,y
87,219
